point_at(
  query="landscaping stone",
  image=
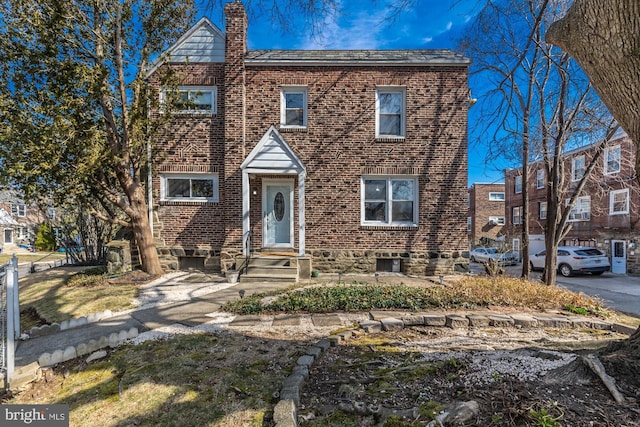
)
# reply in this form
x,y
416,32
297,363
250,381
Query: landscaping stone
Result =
x,y
246,321
286,320
314,351
284,413
371,326
500,321
320,320
478,321
323,344
69,353
413,320
435,319
96,355
305,360
524,321
455,321
390,324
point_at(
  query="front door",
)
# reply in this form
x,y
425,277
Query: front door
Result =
x,y
277,215
618,257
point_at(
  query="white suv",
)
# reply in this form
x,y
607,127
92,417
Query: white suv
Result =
x,y
575,259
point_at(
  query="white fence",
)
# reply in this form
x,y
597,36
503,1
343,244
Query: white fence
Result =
x,y
9,317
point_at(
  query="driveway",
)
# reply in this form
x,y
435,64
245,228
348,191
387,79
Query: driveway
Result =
x,y
620,292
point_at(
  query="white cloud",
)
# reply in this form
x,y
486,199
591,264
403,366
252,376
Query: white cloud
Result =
x,y
427,39
449,25
360,31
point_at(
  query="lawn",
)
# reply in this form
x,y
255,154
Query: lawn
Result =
x,y
226,378
63,293
32,257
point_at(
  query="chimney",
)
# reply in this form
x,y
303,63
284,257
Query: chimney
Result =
x,y
236,29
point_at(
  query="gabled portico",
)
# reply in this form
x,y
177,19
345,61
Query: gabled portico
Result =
x,y
274,157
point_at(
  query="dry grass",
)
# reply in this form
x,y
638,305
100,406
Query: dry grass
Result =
x,y
55,298
519,293
219,379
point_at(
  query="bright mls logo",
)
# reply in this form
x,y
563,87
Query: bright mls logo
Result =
x,y
34,415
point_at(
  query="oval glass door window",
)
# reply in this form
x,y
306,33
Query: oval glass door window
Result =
x,y
278,206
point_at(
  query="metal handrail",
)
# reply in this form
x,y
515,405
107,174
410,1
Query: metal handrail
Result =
x,y
248,244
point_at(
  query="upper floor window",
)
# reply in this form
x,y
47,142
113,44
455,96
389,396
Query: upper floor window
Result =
x,y
577,168
582,209
540,178
195,99
542,210
189,187
18,209
389,201
516,215
619,202
518,184
612,160
390,112
293,110
496,196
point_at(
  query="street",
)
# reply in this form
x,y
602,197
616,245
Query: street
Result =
x,y
620,292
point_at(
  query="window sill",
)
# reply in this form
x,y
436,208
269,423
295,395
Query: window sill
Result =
x,y
390,138
293,129
187,202
389,227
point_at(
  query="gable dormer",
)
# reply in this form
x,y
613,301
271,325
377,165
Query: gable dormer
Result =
x,y
203,43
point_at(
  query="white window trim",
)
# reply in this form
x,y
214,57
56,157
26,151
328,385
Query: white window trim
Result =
x,y
578,214
612,195
606,159
539,179
540,210
214,98
519,217
493,196
403,113
20,208
283,106
389,223
166,176
517,187
575,178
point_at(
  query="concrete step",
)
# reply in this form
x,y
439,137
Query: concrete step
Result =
x,y
268,270
247,278
269,261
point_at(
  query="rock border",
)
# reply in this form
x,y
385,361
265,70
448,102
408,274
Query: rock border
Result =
x,y
285,412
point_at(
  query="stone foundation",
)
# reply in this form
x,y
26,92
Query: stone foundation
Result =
x,y
329,261
119,256
412,263
177,258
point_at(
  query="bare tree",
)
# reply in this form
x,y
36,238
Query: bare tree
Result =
x,y
538,104
603,39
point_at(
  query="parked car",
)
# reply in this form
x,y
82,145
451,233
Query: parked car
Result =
x,y
484,255
575,259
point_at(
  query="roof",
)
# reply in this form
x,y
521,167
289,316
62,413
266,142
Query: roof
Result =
x,y
435,57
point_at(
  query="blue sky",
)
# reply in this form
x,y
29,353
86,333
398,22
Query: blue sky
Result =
x,y
431,24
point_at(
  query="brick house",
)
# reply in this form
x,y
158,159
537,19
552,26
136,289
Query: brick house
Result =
x,y
18,221
486,216
342,161
605,214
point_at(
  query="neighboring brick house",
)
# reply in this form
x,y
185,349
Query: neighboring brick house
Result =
x,y
355,161
486,214
606,213
18,220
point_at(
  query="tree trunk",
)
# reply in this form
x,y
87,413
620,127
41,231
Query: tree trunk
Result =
x,y
603,39
142,233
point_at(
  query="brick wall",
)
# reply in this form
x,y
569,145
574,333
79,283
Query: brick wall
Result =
x,y
338,148
481,207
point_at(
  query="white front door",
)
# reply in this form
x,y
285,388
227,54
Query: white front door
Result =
x,y
619,256
277,214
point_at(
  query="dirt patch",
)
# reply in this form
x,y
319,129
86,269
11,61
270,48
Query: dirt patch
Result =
x,y
408,378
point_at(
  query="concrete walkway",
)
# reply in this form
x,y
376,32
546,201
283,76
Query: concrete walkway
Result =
x,y
189,312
